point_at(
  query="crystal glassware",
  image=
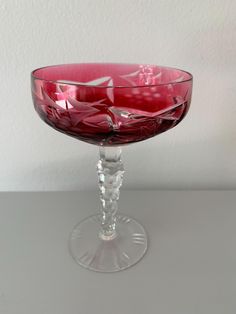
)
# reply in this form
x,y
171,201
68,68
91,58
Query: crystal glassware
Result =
x,y
110,105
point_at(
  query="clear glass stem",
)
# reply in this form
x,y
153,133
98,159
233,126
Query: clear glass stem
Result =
x,y
110,171
107,242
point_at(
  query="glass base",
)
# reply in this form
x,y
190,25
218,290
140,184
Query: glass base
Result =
x,y
120,251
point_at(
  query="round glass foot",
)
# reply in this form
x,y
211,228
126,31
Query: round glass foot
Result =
x,y
91,250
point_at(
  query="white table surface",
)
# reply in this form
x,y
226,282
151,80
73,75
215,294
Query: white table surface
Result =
x,y
190,266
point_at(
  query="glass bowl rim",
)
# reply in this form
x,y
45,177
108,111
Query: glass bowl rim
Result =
x,y
34,77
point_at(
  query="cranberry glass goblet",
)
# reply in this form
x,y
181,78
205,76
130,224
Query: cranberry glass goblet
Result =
x,y
110,105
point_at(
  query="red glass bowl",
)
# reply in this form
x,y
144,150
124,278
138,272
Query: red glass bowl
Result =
x,y
111,104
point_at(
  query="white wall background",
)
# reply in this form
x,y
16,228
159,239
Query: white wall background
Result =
x,y
199,36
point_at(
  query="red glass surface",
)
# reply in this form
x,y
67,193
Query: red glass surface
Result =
x,y
111,104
